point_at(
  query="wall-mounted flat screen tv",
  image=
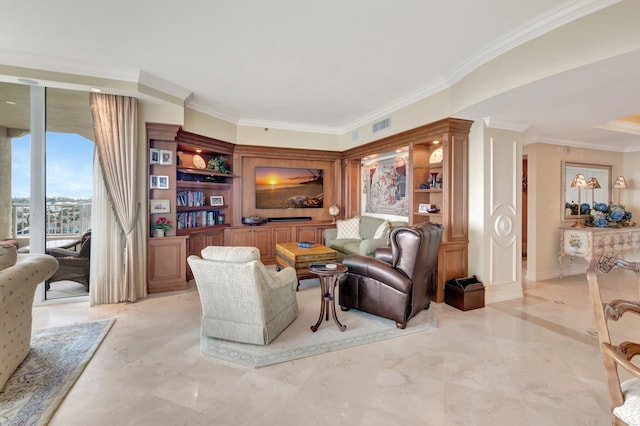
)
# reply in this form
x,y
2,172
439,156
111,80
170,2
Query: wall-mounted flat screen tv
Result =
x,y
288,188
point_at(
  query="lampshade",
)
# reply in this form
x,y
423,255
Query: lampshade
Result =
x,y
334,210
579,181
620,183
593,183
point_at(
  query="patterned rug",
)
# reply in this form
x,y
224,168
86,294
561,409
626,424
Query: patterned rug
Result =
x,y
298,341
56,359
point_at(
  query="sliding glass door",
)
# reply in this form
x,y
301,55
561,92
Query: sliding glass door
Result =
x,y
46,170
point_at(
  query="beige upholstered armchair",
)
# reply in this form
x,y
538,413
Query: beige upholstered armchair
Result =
x,y
19,277
241,300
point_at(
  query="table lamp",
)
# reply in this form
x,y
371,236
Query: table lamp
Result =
x,y
334,211
592,184
619,184
579,182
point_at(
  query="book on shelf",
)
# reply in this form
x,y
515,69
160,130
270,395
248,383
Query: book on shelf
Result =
x,y
198,218
190,198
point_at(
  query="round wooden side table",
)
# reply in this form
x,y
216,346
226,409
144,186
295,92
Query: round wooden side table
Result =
x,y
328,280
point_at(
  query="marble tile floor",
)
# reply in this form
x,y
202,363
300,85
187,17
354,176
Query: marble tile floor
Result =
x,y
64,289
531,361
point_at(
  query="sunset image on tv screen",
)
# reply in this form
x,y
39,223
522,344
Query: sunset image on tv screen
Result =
x,y
288,188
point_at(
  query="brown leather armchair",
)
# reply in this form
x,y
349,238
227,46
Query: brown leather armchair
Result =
x,y
399,281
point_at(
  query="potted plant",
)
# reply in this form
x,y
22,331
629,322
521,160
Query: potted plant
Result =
x,y
161,225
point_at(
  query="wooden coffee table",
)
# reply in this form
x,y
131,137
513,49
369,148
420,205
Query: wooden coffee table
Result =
x,y
299,258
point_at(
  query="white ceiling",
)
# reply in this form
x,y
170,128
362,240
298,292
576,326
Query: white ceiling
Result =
x,y
324,66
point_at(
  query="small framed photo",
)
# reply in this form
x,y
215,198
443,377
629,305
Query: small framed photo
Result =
x,y
160,206
158,182
166,157
423,208
154,156
216,200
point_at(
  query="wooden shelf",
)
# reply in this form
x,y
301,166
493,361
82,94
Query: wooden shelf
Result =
x,y
192,208
428,166
188,231
180,184
426,191
204,172
427,214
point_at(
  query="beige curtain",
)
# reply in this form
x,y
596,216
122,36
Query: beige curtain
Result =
x,y
118,254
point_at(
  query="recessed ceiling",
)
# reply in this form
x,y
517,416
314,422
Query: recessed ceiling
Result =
x,y
324,66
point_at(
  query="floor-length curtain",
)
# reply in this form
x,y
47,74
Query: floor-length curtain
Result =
x,y
119,246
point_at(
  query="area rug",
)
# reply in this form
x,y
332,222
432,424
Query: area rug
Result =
x,y
298,341
56,359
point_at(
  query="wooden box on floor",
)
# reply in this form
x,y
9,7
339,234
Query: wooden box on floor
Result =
x,y
464,293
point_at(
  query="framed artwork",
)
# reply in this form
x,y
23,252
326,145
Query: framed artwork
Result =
x,y
154,156
216,200
423,208
385,186
158,182
160,206
166,157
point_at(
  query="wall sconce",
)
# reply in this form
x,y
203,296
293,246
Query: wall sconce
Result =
x,y
592,184
579,182
619,184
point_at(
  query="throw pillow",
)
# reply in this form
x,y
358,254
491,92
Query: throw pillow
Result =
x,y
348,229
382,231
8,256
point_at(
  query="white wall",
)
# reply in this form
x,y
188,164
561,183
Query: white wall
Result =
x,y
205,125
250,135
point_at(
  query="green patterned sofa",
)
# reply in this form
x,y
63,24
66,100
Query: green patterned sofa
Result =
x,y
365,243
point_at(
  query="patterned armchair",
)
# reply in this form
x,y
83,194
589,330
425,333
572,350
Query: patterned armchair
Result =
x,y
241,300
19,277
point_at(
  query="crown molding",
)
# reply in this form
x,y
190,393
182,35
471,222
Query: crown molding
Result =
x,y
206,109
580,144
164,86
494,123
52,64
621,127
548,21
404,101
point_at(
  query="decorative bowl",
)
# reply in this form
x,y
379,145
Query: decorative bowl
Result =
x,y
433,210
253,221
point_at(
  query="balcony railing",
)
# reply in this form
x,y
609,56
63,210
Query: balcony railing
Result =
x,y
62,219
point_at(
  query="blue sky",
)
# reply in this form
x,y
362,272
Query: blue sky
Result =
x,y
69,165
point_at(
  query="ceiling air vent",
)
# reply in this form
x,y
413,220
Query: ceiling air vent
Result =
x,y
381,125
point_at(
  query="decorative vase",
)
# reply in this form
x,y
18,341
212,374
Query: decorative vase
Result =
x,y
434,180
159,233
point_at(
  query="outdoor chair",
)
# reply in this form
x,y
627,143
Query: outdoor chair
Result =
x,y
74,265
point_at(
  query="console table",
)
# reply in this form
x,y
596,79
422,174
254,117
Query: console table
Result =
x,y
590,243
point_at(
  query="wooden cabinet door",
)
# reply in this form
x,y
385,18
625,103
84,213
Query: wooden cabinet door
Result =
x,y
307,233
281,235
216,238
263,240
197,241
167,264
239,237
